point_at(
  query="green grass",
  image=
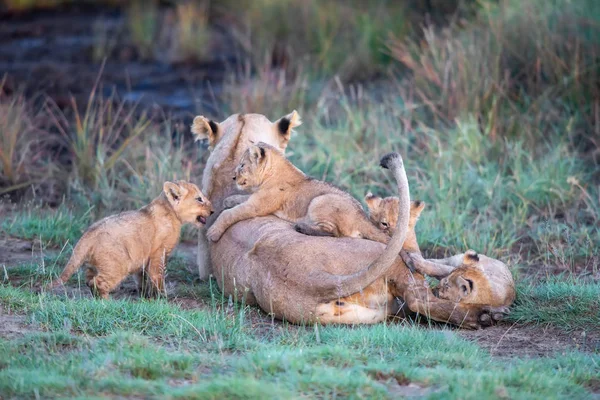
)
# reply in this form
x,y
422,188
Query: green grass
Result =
x,y
495,117
85,347
566,303
54,228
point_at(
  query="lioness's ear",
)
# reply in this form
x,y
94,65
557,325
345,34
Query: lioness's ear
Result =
x,y
173,192
465,286
285,125
372,201
470,258
416,208
204,128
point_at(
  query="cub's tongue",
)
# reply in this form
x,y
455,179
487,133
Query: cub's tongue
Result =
x,y
201,219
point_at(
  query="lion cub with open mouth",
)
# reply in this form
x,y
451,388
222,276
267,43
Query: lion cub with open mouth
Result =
x,y
279,188
137,242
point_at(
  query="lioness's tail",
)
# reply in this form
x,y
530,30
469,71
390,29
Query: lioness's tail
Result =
x,y
80,253
346,285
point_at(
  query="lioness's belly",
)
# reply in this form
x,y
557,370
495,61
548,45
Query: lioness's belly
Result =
x,y
264,260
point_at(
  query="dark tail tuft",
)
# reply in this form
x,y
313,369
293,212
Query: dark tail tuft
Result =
x,y
391,160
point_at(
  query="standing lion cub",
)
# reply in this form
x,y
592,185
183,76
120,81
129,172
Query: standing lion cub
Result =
x,y
137,241
279,188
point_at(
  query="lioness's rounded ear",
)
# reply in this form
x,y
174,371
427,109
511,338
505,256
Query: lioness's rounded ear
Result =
x,y
204,128
289,122
172,191
284,127
372,201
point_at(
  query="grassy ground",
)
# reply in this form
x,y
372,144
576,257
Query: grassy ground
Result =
x,y
496,117
78,346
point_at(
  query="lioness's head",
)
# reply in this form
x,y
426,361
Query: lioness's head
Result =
x,y
469,282
189,203
254,166
276,133
383,212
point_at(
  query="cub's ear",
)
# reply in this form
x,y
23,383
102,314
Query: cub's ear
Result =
x,y
174,192
470,258
204,128
372,201
257,152
416,208
465,286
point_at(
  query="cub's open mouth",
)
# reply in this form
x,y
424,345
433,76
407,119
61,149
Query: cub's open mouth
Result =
x,y
201,219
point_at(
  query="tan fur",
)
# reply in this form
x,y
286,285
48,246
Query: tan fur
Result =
x,y
479,280
234,136
264,261
383,212
279,188
137,242
468,278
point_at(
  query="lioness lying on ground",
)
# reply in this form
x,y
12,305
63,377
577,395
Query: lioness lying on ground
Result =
x,y
279,188
137,241
468,278
264,261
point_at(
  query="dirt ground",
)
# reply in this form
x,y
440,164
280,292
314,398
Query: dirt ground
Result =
x,y
504,340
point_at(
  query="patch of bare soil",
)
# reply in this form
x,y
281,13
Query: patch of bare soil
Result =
x,y
18,251
506,340
13,326
399,385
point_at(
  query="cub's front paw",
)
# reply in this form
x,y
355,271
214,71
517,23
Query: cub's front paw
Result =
x,y
214,233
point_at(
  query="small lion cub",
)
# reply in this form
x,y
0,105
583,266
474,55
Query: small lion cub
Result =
x,y
137,241
278,187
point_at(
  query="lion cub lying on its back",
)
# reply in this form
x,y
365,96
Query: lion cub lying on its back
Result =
x,y
279,188
468,278
134,241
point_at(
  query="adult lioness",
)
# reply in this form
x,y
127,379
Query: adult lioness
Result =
x,y
297,277
281,189
229,139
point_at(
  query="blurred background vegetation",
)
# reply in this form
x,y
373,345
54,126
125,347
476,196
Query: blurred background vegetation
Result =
x,y
495,104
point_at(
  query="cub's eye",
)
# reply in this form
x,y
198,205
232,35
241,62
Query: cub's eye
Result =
x,y
199,200
385,224
242,165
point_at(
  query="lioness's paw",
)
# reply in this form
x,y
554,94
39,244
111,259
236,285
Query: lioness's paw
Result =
x,y
491,315
214,233
410,264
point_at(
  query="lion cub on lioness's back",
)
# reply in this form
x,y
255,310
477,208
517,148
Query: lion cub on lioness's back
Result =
x,y
137,241
279,188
